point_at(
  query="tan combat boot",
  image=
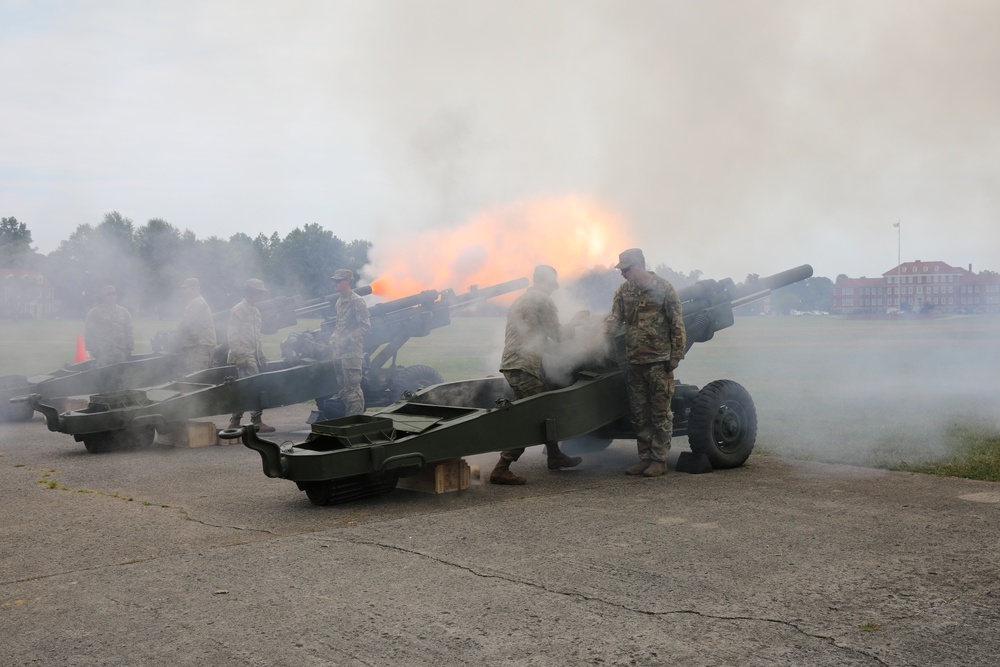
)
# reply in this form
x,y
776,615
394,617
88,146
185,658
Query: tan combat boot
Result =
x,y
638,468
556,459
234,422
264,428
502,475
655,469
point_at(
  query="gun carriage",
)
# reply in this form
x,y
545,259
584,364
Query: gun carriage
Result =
x,y
131,417
354,457
86,378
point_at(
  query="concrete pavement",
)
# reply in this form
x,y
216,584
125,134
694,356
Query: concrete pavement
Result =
x,y
172,556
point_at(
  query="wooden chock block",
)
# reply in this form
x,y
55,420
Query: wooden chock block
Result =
x,y
190,434
68,404
442,477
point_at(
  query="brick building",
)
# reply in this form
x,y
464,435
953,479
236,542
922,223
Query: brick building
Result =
x,y
918,287
25,293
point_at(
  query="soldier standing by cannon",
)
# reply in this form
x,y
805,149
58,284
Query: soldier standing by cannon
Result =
x,y
347,343
245,350
532,326
650,309
194,340
107,330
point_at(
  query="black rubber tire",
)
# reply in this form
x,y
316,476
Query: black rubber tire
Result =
x,y
110,441
337,491
138,436
723,424
413,378
99,443
585,444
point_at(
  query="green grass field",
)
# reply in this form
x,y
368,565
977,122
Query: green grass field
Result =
x,y
920,395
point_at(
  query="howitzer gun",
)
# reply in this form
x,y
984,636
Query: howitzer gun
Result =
x,y
130,417
86,378
354,457
81,379
276,313
393,323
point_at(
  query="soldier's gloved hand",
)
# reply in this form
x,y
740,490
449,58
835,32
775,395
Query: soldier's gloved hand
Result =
x,y
673,364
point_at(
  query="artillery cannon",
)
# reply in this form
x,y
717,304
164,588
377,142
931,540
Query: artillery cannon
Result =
x,y
363,455
79,379
85,378
125,417
393,324
276,313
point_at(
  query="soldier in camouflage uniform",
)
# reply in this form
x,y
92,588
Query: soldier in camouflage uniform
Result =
x,y
245,350
108,330
532,326
650,309
194,339
347,342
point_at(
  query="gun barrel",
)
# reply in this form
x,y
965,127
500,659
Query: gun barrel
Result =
x,y
785,278
382,309
752,290
476,293
319,303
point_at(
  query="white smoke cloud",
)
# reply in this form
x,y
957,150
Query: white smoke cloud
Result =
x,y
732,137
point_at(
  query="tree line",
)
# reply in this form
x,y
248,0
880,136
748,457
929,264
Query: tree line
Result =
x,y
146,264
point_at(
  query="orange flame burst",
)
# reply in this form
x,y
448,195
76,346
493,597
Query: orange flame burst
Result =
x,y
572,234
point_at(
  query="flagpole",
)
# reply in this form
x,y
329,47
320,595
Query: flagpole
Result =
x,y
899,267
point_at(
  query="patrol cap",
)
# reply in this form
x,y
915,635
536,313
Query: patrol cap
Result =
x,y
342,274
256,284
108,289
629,258
191,282
545,274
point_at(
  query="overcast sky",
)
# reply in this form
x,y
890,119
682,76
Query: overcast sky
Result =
x,y
727,136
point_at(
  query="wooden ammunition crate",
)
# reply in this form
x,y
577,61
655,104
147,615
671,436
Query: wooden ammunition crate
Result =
x,y
190,434
444,477
68,404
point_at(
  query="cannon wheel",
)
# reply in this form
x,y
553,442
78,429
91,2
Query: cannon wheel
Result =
x,y
413,378
337,491
723,424
110,441
16,412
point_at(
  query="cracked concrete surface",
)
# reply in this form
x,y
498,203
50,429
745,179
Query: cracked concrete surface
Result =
x,y
174,556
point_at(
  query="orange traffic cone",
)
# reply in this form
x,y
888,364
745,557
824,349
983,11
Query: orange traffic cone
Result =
x,y
81,351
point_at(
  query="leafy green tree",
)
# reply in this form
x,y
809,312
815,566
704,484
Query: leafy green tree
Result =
x,y
307,257
15,243
677,279
96,256
158,245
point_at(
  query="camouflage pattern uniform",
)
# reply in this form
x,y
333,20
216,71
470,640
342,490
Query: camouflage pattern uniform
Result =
x,y
245,351
532,325
654,334
194,340
108,334
347,342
